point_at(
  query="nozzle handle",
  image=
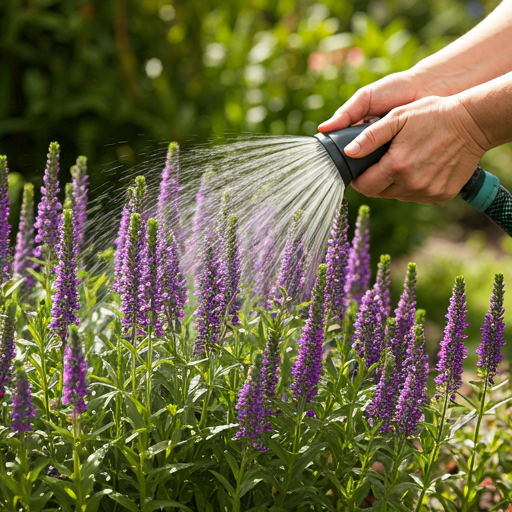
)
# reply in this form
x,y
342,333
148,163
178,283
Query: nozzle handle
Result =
x,y
349,168
484,193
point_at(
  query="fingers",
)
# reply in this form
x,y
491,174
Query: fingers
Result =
x,y
374,136
337,122
375,179
354,110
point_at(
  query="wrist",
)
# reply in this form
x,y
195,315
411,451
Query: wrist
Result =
x,y
431,82
468,123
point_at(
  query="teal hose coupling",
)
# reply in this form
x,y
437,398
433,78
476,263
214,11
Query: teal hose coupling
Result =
x,y
484,193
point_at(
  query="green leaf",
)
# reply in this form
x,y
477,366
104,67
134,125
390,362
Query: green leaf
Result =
x,y
461,421
224,482
91,466
278,450
39,465
251,479
124,501
61,489
93,502
308,456
159,504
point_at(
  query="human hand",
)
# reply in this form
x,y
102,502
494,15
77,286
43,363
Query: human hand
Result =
x,y
436,146
378,99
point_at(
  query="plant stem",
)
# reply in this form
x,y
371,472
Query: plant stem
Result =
x,y
209,377
77,477
134,361
469,483
295,449
240,480
149,376
24,472
396,464
433,455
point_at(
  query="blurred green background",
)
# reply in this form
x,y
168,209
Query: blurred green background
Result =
x,y
113,79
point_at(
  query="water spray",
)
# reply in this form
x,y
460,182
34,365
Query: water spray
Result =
x,y
483,190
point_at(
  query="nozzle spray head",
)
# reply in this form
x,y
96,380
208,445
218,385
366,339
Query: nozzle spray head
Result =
x,y
349,168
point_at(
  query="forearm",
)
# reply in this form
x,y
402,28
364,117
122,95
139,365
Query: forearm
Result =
x,y
490,106
482,54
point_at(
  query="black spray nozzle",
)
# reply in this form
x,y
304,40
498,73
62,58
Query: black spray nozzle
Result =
x,y
483,190
349,168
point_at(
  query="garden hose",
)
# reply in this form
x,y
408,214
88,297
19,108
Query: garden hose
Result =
x,y
483,190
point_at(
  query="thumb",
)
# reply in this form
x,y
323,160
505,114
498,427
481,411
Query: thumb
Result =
x,y
375,136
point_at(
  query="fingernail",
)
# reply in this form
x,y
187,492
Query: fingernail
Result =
x,y
353,148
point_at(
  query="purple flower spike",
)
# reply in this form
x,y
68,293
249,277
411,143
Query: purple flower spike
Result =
x,y
407,412
271,365
492,333
23,411
135,204
337,260
25,236
232,258
7,347
293,264
382,408
173,284
250,407
48,210
453,351
263,266
368,335
75,374
201,215
358,271
80,192
133,275
5,228
168,201
151,287
211,289
65,300
413,394
405,316
382,285
308,367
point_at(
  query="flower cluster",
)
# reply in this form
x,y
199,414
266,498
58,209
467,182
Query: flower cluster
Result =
x,y
7,347
382,286
492,333
79,194
453,351
293,263
49,209
135,204
358,271
65,300
23,410
336,260
308,367
233,271
368,335
131,286
172,282
251,411
75,374
168,201
5,228
211,288
25,236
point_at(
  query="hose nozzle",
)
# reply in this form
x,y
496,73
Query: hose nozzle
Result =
x,y
349,168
